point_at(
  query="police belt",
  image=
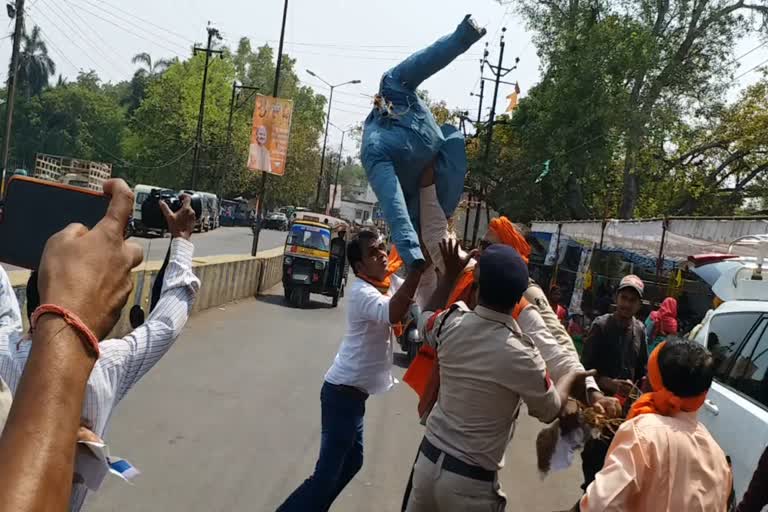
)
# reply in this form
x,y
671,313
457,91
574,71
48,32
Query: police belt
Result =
x,y
454,465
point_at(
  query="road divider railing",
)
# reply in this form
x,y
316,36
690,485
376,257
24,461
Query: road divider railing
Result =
x,y
223,279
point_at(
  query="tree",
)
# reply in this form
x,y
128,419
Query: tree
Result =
x,y
149,67
725,163
674,58
79,119
35,66
163,128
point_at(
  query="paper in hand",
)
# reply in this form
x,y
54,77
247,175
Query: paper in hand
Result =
x,y
93,464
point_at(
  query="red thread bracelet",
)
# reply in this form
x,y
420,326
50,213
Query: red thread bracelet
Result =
x,y
72,320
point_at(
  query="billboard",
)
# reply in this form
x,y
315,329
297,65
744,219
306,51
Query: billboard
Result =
x,y
269,136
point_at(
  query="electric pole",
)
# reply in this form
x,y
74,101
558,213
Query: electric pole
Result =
x,y
499,72
263,185
212,33
478,125
17,33
336,181
236,88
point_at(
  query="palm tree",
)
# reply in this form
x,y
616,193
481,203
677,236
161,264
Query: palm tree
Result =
x,y
151,68
35,66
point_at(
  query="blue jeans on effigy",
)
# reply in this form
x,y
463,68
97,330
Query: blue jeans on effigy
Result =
x,y
341,450
399,143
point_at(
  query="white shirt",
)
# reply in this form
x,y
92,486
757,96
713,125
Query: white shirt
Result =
x,y
122,362
10,321
364,359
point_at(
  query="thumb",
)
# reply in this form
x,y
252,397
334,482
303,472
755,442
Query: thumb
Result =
x,y
167,213
588,373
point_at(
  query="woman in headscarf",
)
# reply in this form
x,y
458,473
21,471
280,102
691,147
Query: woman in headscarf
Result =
x,y
661,323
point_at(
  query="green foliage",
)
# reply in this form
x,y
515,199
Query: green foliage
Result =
x,y
629,112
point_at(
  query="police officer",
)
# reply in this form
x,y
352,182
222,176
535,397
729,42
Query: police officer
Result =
x,y
487,366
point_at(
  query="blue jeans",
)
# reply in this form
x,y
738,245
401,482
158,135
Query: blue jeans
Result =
x,y
398,145
341,450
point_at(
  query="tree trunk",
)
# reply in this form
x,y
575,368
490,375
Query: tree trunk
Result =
x,y
631,188
575,200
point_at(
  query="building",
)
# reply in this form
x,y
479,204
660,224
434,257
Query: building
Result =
x,y
62,169
358,205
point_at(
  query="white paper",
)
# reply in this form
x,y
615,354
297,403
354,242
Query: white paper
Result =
x,y
94,463
566,448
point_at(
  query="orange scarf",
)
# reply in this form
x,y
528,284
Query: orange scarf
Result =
x,y
394,262
463,287
661,400
509,235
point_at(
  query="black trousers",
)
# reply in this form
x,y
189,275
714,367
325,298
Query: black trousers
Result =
x,y
592,459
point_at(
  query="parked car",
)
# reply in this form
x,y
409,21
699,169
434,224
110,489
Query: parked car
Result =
x,y
276,220
736,332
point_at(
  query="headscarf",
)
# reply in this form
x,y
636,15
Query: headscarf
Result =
x,y
509,235
661,400
665,318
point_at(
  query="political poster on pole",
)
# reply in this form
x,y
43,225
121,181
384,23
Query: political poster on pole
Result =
x,y
270,135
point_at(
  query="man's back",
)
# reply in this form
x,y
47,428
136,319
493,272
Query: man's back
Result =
x,y
486,366
676,466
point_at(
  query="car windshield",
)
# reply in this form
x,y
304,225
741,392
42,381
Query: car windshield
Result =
x,y
311,237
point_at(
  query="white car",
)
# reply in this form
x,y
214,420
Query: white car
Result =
x,y
736,409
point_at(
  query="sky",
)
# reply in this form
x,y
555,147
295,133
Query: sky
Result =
x,y
339,40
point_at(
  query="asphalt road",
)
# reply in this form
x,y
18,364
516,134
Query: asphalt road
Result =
x,y
230,421
224,240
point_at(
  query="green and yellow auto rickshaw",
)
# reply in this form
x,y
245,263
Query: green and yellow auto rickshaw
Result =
x,y
313,262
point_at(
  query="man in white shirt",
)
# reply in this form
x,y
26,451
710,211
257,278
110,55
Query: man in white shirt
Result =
x,y
122,362
362,367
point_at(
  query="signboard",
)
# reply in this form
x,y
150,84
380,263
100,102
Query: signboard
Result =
x,y
269,136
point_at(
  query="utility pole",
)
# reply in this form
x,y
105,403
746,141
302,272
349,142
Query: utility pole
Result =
x,y
477,132
263,185
17,33
212,33
499,72
236,88
338,168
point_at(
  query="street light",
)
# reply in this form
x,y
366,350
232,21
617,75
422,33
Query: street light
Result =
x,y
325,138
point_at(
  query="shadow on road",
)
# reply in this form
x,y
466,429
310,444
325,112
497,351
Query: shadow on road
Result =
x,y
279,300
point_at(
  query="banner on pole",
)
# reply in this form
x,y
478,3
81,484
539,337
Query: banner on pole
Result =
x,y
270,135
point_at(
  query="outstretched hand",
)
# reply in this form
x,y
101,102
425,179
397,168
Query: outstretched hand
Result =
x,y
454,259
181,224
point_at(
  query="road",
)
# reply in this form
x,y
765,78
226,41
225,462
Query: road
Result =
x,y
230,421
220,241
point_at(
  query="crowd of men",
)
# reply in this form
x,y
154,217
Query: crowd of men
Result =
x,y
494,341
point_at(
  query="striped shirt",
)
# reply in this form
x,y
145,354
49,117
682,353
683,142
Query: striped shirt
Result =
x,y
124,361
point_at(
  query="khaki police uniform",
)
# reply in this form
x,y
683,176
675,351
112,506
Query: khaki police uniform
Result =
x,y
487,365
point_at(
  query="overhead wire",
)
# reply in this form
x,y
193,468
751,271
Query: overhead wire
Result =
x,y
43,34
125,29
72,40
158,35
100,44
143,20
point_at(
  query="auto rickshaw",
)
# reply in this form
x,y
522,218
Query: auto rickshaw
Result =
x,y
313,262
